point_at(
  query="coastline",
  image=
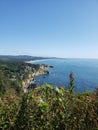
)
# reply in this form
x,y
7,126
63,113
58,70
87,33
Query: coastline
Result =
x,y
33,61
31,77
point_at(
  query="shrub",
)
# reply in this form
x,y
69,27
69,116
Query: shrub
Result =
x,y
52,108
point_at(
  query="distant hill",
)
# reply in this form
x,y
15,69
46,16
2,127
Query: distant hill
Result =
x,y
21,58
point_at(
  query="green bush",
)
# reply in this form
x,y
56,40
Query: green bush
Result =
x,y
9,107
52,108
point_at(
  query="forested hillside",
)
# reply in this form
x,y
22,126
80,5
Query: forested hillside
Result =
x,y
13,73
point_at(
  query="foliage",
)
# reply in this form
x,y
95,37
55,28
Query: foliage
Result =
x,y
52,108
2,82
9,107
71,83
12,73
44,108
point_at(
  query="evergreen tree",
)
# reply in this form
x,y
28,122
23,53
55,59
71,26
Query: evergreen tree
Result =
x,y
71,82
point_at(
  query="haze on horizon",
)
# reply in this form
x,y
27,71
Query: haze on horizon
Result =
x,y
54,28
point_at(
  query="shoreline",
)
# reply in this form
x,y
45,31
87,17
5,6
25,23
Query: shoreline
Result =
x,y
31,78
33,61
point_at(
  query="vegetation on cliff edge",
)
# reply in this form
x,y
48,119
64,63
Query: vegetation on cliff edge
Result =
x,y
44,108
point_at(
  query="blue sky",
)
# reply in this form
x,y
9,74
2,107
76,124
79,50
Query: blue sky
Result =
x,y
61,28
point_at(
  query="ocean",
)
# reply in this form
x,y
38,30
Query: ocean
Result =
x,y
85,73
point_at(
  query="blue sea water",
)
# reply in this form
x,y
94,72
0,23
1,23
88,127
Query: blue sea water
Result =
x,y
85,73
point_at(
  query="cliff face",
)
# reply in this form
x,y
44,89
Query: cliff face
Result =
x,y
35,71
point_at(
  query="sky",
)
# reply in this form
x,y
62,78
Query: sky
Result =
x,y
54,28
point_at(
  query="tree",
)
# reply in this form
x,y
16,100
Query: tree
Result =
x,y
2,83
70,86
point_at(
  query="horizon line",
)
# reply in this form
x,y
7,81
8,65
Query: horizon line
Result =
x,y
49,56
